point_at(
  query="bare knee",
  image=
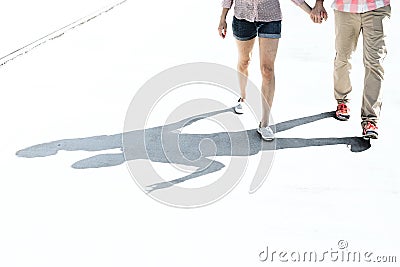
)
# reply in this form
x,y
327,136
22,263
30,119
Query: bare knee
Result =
x,y
243,64
267,72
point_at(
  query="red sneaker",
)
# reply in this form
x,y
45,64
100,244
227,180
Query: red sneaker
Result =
x,y
370,131
342,112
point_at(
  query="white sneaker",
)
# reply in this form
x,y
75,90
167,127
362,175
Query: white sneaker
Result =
x,y
266,133
239,109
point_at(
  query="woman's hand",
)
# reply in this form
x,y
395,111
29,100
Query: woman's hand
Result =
x,y
222,28
318,13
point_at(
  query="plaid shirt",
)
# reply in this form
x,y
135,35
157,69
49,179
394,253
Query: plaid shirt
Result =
x,y
359,6
257,10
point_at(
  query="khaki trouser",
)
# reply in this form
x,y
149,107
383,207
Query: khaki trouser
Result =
x,y
348,27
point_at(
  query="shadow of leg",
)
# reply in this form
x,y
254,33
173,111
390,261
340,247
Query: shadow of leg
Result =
x,y
356,144
359,144
283,126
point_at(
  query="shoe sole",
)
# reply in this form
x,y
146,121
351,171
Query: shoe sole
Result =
x,y
265,139
342,118
268,139
238,111
370,135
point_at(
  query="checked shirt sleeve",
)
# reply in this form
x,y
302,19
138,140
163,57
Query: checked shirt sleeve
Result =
x,y
227,3
298,2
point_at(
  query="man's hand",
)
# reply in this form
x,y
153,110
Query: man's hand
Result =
x,y
222,28
318,13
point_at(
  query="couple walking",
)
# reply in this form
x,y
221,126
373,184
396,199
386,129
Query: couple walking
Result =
x,y
262,18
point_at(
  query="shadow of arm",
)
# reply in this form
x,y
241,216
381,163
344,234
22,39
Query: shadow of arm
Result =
x,y
213,167
193,119
100,161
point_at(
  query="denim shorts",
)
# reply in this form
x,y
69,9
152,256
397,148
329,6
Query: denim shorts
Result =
x,y
244,30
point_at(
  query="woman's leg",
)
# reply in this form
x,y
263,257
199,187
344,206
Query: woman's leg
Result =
x,y
268,50
245,49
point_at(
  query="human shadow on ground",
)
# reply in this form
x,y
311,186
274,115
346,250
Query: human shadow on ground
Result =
x,y
186,149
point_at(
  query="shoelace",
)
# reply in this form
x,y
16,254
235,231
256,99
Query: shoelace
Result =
x,y
343,108
370,126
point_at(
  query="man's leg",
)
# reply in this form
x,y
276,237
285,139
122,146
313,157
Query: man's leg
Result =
x,y
374,54
347,29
